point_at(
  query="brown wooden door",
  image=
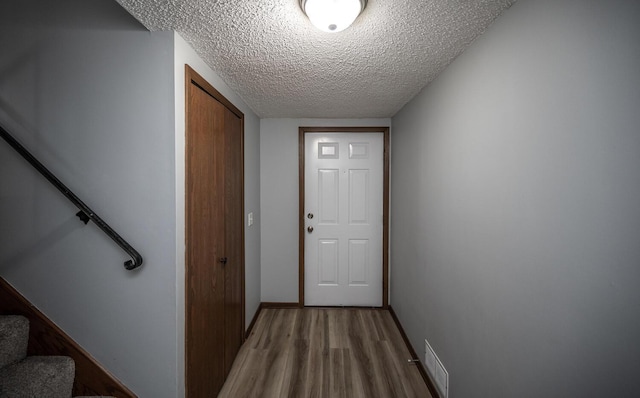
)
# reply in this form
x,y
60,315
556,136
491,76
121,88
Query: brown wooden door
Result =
x,y
214,237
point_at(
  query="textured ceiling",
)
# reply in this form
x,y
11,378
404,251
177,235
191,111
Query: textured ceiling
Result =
x,y
268,52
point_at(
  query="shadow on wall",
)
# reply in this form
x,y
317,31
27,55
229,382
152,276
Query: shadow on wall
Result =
x,y
25,254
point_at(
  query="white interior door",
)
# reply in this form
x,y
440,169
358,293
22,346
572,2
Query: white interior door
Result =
x,y
344,175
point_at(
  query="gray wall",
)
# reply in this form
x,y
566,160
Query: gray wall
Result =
x,y
515,206
90,92
279,201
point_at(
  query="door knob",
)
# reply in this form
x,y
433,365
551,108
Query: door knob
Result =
x,y
309,229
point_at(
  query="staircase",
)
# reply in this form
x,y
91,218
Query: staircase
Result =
x,y
30,376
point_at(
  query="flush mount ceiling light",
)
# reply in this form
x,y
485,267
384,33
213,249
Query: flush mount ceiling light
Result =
x,y
332,15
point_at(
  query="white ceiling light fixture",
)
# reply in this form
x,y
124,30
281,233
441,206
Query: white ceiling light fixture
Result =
x,y
332,15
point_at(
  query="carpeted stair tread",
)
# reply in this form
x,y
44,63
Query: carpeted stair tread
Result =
x,y
31,377
14,337
38,376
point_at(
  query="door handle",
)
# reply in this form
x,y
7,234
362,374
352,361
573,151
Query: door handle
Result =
x,y
309,229
223,260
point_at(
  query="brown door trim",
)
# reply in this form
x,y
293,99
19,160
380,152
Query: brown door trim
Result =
x,y
385,203
191,76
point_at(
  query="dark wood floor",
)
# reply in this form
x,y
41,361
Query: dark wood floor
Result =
x,y
315,352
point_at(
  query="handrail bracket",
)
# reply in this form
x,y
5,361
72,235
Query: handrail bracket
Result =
x,y
83,217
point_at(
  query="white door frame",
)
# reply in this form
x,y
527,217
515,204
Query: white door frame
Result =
x,y
385,203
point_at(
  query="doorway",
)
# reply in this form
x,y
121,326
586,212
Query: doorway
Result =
x,y
214,275
344,219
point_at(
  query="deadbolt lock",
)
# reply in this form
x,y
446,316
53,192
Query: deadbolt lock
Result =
x,y
310,216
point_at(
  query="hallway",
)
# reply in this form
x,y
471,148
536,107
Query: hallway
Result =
x,y
317,352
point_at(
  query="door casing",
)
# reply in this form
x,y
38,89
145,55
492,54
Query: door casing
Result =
x,y
301,202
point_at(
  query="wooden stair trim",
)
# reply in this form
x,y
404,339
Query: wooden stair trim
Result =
x,y
46,338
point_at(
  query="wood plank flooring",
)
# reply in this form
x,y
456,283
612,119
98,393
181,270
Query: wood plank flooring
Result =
x,y
317,352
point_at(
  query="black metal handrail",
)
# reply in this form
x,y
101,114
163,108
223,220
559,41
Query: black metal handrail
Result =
x,y
85,214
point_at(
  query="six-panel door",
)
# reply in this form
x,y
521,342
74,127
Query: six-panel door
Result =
x,y
344,219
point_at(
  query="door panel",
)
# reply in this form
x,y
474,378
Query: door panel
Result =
x,y
343,246
328,262
205,244
359,192
359,262
328,181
